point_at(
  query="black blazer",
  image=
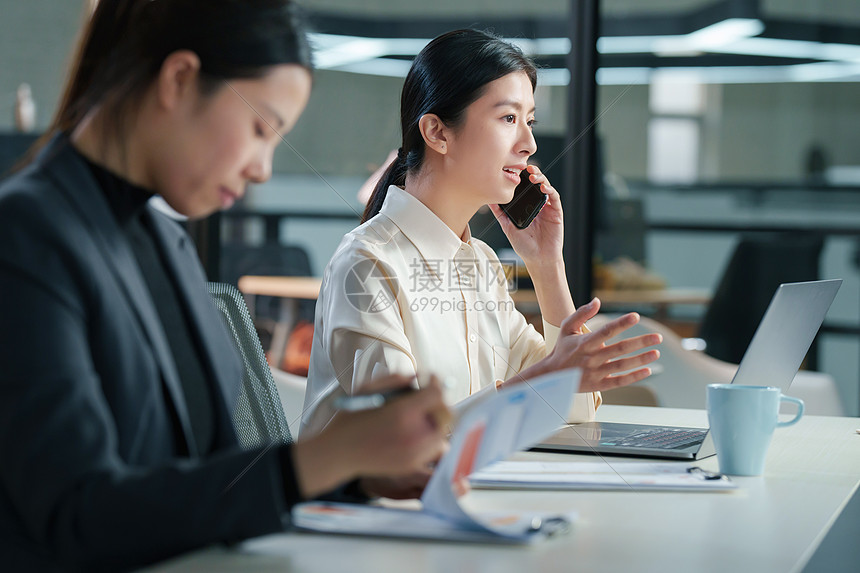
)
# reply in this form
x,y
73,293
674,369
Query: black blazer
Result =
x,y
97,459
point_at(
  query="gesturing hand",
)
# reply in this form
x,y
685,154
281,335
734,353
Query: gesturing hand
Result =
x,y
601,363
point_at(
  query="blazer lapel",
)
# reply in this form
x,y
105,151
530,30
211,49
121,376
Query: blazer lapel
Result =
x,y
183,262
72,176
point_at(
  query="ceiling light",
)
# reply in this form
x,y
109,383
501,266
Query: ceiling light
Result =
x,y
840,62
780,48
725,32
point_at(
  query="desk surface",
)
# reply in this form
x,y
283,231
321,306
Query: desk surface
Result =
x,y
771,523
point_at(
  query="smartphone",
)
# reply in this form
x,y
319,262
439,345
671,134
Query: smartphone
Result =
x,y
527,202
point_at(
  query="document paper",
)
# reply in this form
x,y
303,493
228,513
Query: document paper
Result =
x,y
602,475
487,431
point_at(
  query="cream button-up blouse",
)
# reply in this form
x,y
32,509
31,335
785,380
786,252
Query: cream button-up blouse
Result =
x,y
404,294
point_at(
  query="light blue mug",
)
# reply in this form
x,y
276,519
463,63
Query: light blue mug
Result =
x,y
742,420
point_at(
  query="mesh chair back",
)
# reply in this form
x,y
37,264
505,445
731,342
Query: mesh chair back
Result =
x,y
258,416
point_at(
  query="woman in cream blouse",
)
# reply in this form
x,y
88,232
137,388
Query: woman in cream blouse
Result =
x,y
411,290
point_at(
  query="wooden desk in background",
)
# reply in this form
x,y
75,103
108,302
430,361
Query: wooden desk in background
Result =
x,y
284,287
292,288
308,288
661,299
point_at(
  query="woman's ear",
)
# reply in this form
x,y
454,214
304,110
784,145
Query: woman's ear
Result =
x,y
434,132
177,79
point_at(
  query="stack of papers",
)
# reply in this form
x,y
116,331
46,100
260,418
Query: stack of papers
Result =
x,y
487,431
598,475
375,520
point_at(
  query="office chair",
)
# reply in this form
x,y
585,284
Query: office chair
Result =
x,y
258,416
270,259
759,264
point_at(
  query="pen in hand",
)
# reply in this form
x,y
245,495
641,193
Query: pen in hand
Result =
x,y
360,402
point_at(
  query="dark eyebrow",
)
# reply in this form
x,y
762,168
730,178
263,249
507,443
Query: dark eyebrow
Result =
x,y
273,113
515,104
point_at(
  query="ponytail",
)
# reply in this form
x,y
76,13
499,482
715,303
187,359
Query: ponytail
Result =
x,y
394,175
102,32
102,29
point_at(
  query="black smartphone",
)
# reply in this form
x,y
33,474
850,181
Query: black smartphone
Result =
x,y
527,202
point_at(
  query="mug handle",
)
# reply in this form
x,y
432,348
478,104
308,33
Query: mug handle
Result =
x,y
797,416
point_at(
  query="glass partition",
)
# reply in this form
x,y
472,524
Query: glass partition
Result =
x,y
739,132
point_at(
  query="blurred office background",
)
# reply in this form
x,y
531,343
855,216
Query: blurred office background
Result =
x,y
727,131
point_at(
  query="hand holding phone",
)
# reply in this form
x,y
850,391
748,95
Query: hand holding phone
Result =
x,y
527,202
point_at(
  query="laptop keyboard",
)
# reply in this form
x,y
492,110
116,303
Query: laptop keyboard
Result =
x,y
661,438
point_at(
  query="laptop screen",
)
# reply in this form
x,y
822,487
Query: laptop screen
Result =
x,y
785,333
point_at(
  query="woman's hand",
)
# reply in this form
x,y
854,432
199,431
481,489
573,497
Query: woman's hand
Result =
x,y
601,363
401,438
541,242
540,247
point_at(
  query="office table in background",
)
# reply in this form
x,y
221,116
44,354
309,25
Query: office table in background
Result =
x,y
285,287
291,288
308,288
660,300
770,523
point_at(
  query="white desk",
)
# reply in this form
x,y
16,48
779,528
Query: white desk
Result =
x,y
773,523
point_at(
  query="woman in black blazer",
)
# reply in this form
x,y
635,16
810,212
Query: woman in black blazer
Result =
x,y
116,375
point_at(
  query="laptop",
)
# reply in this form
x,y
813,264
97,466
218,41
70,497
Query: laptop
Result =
x,y
780,343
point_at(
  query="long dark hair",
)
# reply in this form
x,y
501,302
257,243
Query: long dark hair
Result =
x,y
124,44
449,74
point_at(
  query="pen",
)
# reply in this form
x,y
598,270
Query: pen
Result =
x,y
548,526
370,401
706,475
